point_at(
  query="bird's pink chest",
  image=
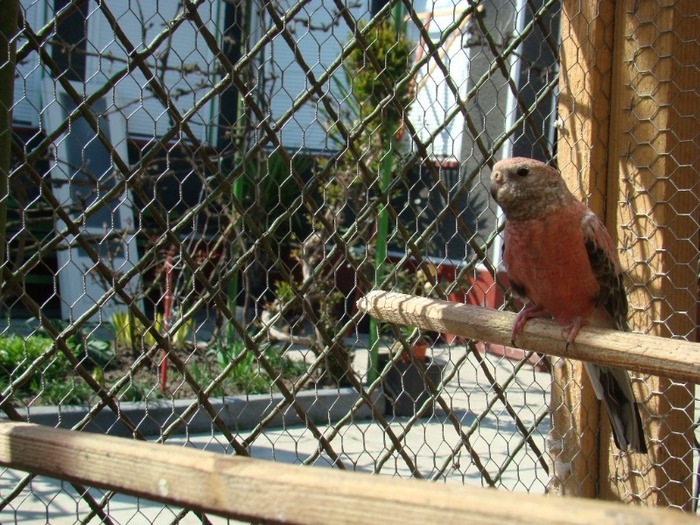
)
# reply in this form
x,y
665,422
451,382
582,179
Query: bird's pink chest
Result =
x,y
549,259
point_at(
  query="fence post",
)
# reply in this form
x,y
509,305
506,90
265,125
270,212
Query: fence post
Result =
x,y
584,109
8,32
654,197
629,144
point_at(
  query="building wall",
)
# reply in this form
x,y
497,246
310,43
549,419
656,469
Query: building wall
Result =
x,y
319,33
183,65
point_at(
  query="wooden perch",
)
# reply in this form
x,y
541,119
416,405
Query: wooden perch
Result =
x,y
249,489
672,358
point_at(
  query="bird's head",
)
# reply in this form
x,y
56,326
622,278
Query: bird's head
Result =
x,y
525,188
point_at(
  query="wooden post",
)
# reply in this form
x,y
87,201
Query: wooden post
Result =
x,y
654,201
584,112
629,146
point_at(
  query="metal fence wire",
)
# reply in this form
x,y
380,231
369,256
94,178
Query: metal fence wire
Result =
x,y
200,191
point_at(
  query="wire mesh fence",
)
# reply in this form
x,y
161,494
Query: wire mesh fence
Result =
x,y
199,192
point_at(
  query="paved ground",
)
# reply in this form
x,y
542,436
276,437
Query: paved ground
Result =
x,y
362,445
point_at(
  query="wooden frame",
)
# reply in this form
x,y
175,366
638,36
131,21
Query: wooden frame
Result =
x,y
269,492
628,146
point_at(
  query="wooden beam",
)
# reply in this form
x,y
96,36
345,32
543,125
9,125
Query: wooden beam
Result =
x,y
585,87
243,488
628,146
653,209
672,358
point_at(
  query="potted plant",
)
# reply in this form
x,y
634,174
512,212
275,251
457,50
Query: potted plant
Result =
x,y
405,383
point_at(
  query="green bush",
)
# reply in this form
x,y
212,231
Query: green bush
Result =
x,y
248,377
130,333
394,52
17,355
55,382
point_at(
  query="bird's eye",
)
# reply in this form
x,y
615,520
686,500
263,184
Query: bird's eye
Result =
x,y
522,172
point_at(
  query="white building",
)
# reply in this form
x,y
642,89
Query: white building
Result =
x,y
465,100
470,108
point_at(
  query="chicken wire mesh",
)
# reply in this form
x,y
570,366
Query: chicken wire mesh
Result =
x,y
200,191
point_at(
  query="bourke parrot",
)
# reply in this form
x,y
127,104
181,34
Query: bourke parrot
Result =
x,y
561,260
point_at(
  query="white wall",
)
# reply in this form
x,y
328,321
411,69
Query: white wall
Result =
x,y
435,100
319,33
28,73
141,21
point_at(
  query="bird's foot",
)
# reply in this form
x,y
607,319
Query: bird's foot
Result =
x,y
530,311
572,330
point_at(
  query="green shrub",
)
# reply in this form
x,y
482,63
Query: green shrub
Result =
x,y
130,333
248,377
17,355
53,381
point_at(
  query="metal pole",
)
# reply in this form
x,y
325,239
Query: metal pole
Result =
x,y
8,32
386,167
239,184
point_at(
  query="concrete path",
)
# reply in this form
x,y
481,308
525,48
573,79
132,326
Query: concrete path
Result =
x,y
362,446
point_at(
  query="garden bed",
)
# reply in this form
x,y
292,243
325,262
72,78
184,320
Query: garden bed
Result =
x,y
237,413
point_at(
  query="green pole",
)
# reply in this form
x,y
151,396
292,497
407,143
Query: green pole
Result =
x,y
233,285
386,167
8,31
239,183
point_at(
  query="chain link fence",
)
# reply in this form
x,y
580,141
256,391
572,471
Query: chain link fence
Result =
x,y
200,192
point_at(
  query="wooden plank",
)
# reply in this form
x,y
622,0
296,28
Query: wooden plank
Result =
x,y
629,147
673,358
653,202
249,489
585,85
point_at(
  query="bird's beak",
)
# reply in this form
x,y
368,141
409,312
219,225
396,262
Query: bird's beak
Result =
x,y
496,183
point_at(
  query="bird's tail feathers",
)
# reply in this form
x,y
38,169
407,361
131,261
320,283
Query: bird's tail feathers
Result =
x,y
613,387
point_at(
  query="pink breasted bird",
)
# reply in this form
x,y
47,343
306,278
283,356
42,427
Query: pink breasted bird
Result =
x,y
561,260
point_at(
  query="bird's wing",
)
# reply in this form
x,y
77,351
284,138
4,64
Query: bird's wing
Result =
x,y
606,268
612,385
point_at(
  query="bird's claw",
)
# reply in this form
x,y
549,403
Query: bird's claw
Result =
x,y
528,312
572,331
